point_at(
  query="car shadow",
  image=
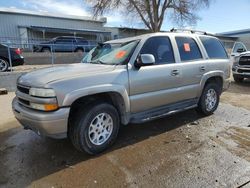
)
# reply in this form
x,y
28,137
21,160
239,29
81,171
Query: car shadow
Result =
x,y
37,157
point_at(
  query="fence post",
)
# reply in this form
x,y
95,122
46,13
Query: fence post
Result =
x,y
52,55
9,54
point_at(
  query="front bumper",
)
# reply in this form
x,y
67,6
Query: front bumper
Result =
x,y
239,71
49,124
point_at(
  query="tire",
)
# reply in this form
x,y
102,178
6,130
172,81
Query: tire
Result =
x,y
238,79
209,99
46,50
4,65
87,131
79,50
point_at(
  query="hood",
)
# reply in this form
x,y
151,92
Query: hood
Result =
x,y
41,77
247,53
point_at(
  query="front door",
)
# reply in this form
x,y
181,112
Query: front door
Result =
x,y
155,85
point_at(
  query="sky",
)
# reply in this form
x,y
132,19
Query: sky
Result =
x,y
221,16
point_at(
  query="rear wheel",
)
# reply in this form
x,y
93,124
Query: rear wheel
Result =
x,y
46,50
238,79
94,128
4,65
209,99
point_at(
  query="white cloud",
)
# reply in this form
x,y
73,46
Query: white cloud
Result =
x,y
69,7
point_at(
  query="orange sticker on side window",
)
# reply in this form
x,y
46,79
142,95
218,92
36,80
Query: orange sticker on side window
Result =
x,y
187,47
120,54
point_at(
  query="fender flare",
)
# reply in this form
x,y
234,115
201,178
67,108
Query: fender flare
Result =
x,y
106,88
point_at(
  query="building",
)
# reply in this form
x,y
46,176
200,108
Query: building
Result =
x,y
123,32
241,35
21,26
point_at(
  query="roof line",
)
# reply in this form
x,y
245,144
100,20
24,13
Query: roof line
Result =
x,y
236,32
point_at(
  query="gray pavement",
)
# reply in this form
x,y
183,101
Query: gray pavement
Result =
x,y
183,150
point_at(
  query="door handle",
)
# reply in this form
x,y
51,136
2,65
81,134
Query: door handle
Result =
x,y
202,69
175,72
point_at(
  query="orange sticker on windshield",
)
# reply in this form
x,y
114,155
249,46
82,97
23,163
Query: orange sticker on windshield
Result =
x,y
187,47
120,54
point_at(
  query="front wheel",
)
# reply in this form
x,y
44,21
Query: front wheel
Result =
x,y
209,99
95,128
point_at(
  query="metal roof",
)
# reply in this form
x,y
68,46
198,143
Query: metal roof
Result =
x,y
45,14
236,32
64,30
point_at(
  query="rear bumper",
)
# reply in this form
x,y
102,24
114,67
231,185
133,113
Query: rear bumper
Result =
x,y
49,124
17,62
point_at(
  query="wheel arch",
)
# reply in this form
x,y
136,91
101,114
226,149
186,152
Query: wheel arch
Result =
x,y
214,77
112,97
6,59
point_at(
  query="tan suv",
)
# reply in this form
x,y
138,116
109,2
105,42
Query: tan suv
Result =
x,y
131,80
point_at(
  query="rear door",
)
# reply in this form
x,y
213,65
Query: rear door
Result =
x,y
193,65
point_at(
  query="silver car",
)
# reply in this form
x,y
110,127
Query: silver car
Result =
x,y
131,80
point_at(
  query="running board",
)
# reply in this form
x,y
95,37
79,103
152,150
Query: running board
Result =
x,y
160,112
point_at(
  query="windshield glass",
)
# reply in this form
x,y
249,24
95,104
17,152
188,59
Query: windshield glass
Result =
x,y
110,53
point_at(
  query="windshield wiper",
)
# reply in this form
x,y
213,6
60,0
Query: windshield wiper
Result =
x,y
98,62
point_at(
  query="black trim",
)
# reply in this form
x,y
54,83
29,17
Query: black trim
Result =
x,y
163,111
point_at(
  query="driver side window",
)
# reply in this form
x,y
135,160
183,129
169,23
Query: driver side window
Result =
x,y
161,48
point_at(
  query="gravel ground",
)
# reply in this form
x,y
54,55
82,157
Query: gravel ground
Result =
x,y
183,150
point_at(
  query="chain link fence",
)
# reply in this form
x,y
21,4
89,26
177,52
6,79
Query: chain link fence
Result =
x,y
38,53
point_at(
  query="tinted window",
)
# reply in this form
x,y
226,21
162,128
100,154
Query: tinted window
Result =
x,y
64,40
161,48
188,48
239,47
214,48
81,41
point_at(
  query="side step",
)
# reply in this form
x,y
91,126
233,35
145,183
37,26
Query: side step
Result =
x,y
163,111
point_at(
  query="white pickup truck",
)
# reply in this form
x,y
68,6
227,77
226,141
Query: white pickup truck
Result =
x,y
241,62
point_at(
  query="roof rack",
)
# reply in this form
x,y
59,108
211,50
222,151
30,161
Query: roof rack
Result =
x,y
191,31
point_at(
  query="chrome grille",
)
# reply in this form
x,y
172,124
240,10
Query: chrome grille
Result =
x,y
244,60
23,89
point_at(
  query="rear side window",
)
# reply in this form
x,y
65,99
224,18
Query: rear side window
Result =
x,y
160,48
214,48
188,49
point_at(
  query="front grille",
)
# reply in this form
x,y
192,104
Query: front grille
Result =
x,y
244,60
24,102
23,89
243,71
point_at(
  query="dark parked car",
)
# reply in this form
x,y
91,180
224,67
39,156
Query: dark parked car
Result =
x,y
16,57
65,44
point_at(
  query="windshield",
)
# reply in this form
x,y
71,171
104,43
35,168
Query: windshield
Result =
x,y
110,53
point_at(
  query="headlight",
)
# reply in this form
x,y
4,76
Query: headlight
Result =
x,y
236,60
41,92
44,107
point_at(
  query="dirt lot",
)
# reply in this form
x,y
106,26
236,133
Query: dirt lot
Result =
x,y
183,150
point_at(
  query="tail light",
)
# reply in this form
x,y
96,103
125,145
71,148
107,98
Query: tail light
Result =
x,y
18,51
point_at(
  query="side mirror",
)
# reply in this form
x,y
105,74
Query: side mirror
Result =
x,y
240,50
144,60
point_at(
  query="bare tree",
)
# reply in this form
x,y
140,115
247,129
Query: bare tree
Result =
x,y
152,12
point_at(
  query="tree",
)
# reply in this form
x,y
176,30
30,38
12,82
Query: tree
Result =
x,y
152,12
